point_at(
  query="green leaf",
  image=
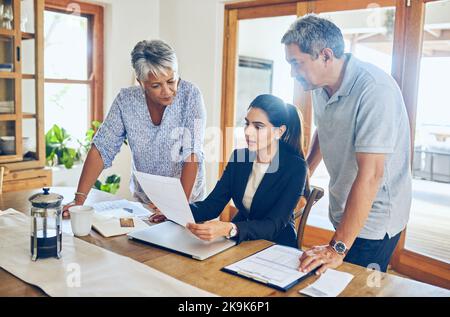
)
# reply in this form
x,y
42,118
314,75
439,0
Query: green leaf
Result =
x,y
96,124
98,184
58,134
56,149
114,188
111,185
113,179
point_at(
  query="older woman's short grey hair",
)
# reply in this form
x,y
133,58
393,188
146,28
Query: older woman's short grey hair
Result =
x,y
312,34
153,57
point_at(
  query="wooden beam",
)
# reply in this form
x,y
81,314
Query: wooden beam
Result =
x,y
229,65
39,77
98,65
18,58
303,99
267,11
256,3
333,6
71,6
67,81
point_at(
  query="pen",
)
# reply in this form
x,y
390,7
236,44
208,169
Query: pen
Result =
x,y
128,210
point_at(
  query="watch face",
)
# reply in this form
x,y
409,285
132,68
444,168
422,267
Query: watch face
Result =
x,y
340,247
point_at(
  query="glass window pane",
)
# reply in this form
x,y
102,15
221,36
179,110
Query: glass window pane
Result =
x,y
29,139
27,16
29,96
67,105
262,66
7,138
28,57
7,14
66,40
428,231
6,54
6,95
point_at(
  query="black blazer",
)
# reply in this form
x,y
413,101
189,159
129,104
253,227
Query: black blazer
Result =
x,y
270,214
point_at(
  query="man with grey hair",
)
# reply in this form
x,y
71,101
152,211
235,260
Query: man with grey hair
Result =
x,y
163,120
363,136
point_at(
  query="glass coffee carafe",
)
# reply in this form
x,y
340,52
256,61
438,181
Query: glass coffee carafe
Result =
x,y
46,216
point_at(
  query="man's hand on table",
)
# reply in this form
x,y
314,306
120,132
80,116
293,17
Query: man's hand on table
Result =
x,y
323,256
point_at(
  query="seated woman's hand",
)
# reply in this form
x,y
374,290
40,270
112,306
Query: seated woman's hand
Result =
x,y
157,216
153,206
210,230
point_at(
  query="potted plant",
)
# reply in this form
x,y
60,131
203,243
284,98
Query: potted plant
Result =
x,y
57,151
111,185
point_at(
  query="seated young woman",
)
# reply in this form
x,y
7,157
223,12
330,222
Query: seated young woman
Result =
x,y
264,180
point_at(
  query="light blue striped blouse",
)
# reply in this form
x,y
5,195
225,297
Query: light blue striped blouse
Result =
x,y
159,150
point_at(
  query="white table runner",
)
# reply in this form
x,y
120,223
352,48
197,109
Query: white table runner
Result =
x,y
84,269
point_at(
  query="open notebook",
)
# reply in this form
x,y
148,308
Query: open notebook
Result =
x,y
106,219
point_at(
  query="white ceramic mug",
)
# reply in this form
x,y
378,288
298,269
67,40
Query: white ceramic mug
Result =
x,y
81,220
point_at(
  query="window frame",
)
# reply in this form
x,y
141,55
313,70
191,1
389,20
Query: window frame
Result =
x,y
95,80
408,33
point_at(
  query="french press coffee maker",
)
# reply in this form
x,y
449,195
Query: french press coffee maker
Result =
x,y
46,233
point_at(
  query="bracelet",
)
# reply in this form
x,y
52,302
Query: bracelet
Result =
x,y
81,194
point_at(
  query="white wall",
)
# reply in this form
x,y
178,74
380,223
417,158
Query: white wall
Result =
x,y
195,29
126,23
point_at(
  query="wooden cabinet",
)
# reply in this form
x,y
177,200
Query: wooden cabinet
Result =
x,y
22,139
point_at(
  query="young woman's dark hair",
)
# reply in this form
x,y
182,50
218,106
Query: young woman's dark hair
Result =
x,y
280,113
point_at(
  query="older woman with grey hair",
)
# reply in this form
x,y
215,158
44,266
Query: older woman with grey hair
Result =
x,y
163,120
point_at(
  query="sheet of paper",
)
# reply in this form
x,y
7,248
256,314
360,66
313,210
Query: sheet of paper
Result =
x,y
276,265
107,222
168,195
330,284
135,208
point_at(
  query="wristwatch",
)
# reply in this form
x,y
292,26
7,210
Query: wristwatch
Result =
x,y
233,232
339,247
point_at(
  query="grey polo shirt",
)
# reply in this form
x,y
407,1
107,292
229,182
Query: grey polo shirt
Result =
x,y
366,115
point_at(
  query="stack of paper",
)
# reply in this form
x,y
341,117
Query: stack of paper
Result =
x,y
136,208
168,195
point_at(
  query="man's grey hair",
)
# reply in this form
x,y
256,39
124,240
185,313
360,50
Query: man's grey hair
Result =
x,y
312,34
155,57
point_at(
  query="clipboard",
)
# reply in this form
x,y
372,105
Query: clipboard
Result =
x,y
266,261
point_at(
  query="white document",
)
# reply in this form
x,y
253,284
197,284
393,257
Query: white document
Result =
x,y
135,208
107,222
168,195
330,284
276,265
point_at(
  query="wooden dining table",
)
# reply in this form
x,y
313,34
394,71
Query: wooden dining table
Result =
x,y
207,274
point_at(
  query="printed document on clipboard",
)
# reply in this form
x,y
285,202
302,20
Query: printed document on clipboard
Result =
x,y
275,266
168,195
